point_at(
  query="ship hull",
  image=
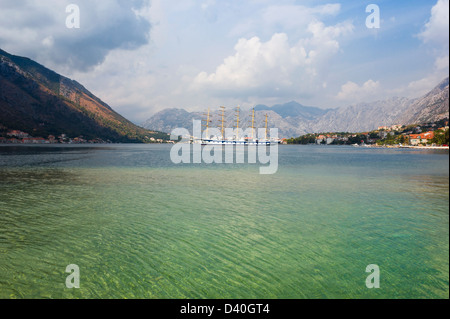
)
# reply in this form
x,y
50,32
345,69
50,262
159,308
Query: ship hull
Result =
x,y
225,142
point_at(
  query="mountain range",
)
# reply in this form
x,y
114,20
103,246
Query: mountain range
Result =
x,y
38,101
294,119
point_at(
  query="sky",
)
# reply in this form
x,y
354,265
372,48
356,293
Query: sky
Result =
x,y
143,56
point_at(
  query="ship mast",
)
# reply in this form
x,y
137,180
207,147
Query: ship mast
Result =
x,y
207,122
266,127
223,121
237,123
253,122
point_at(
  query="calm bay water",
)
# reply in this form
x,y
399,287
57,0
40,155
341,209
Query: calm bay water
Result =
x,y
139,226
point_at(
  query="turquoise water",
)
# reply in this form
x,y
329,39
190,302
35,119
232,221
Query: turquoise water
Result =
x,y
139,226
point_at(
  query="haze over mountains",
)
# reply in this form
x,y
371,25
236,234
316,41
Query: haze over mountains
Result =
x,y
41,102
293,119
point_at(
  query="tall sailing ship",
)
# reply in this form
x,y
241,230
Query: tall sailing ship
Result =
x,y
236,139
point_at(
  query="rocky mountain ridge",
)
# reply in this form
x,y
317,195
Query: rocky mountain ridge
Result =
x,y
38,101
293,119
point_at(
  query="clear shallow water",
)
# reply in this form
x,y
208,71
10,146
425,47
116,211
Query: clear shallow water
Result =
x,y
139,226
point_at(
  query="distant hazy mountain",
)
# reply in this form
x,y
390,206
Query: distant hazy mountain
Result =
x,y
362,117
41,102
294,119
431,107
294,109
169,119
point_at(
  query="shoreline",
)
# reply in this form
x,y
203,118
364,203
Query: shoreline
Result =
x,y
407,146
427,147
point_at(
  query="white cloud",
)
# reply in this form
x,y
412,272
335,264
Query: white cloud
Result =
x,y
441,63
436,36
142,56
424,85
293,16
420,87
48,41
275,67
352,92
37,29
436,30
208,3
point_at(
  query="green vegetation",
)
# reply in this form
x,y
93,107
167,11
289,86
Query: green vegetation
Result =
x,y
305,139
441,137
28,107
381,137
48,77
334,138
393,138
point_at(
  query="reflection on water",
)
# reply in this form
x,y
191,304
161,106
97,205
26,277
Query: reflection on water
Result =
x,y
139,226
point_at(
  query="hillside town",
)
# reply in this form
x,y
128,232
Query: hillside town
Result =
x,y
20,137
424,135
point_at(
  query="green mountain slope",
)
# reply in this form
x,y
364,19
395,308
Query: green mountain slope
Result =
x,y
41,102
